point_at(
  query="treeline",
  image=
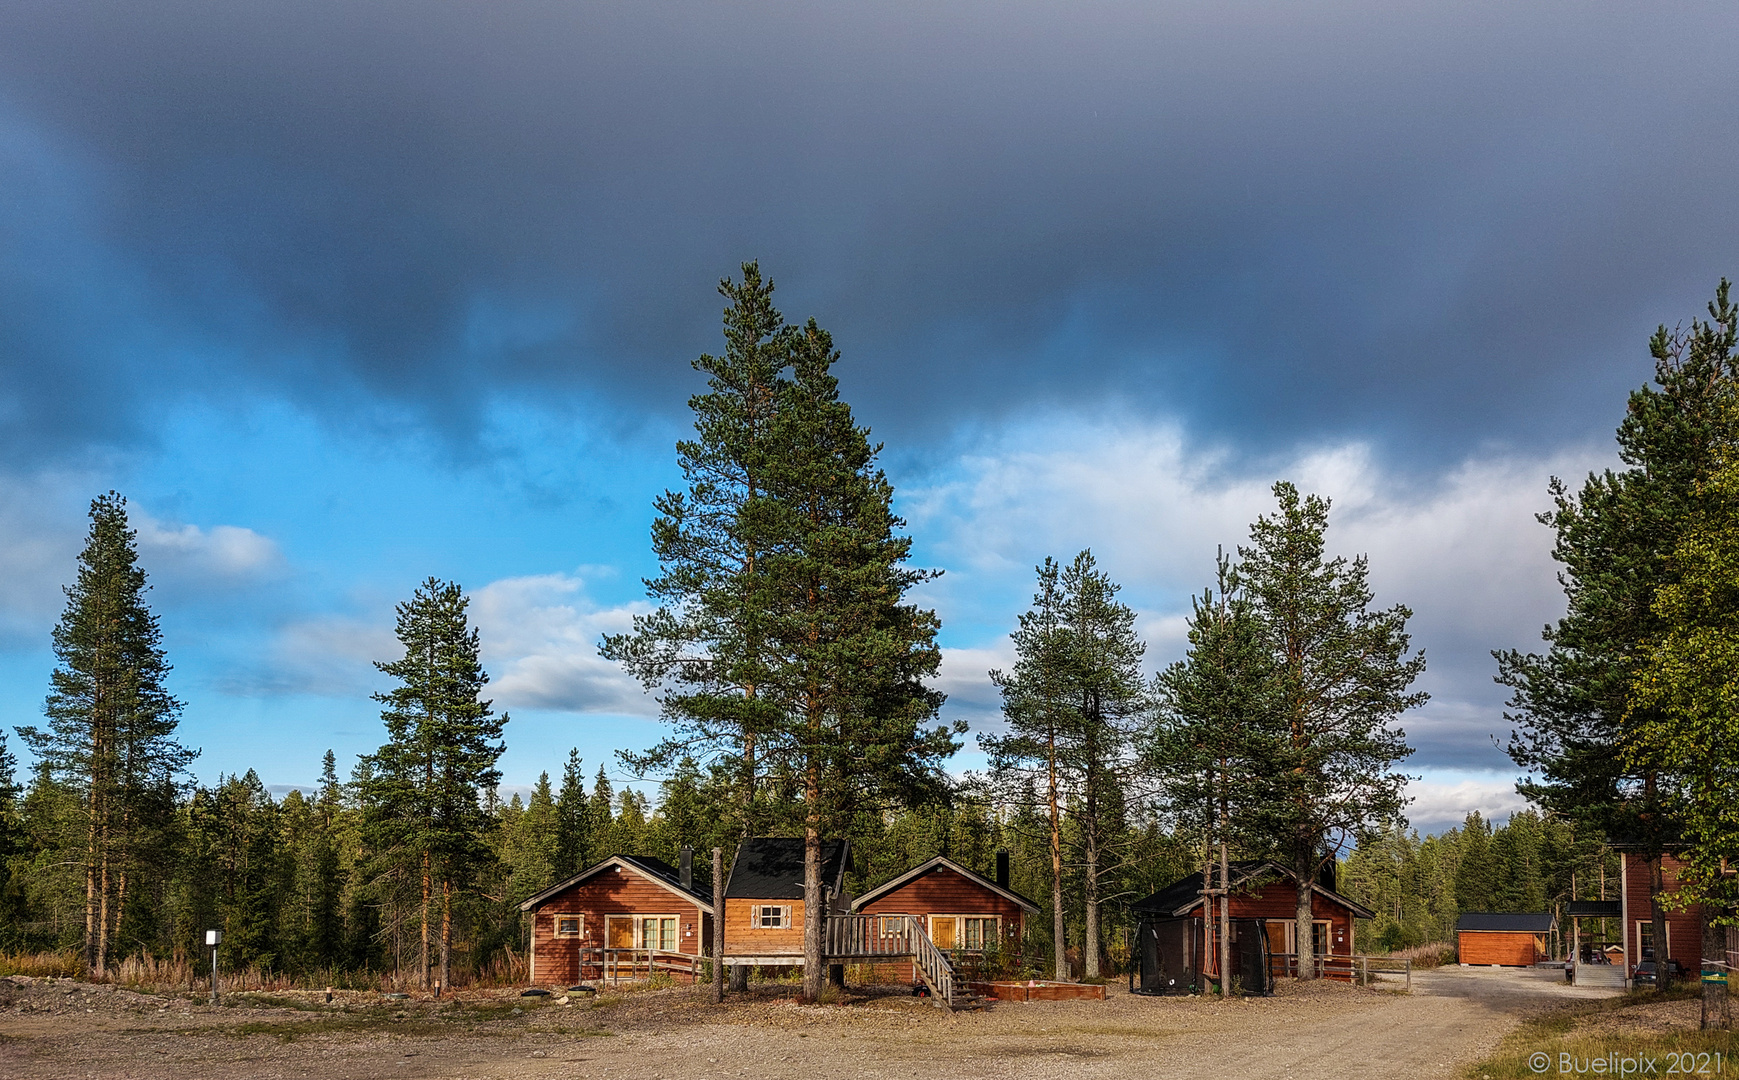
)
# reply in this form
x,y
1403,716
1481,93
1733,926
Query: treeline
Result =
x,y
1419,886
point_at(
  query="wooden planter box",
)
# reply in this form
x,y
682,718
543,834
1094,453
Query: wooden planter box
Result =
x,y
1039,991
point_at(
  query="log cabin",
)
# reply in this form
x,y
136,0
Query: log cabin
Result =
x,y
764,917
963,912
1265,892
627,916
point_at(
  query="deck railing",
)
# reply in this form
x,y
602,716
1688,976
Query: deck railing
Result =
x,y
1358,969
632,965
870,936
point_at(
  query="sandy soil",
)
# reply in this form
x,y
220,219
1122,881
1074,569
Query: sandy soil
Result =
x,y
64,1029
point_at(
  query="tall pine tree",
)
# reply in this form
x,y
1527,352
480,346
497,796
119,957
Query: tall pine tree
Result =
x,y
112,720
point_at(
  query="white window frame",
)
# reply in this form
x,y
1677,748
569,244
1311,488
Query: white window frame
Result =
x,y
758,916
1648,924
640,932
994,939
579,930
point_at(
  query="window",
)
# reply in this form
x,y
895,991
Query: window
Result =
x,y
658,932
1645,940
979,932
568,926
772,916
892,926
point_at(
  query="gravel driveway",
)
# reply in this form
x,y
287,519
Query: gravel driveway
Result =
x,y
62,1029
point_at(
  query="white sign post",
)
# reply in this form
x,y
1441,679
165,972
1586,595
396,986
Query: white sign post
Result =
x,y
213,938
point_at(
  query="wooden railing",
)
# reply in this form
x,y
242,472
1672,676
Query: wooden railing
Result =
x,y
630,965
870,936
1351,968
935,967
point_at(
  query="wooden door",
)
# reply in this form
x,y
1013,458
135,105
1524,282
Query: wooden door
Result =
x,y
942,931
619,932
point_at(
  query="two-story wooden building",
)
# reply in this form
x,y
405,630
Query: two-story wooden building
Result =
x,y
628,916
764,915
1684,925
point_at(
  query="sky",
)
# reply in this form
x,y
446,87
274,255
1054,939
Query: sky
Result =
x,y
342,296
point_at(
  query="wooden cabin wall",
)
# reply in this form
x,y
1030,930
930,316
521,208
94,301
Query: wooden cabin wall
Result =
x,y
745,937
608,893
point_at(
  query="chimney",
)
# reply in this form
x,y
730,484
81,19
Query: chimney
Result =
x,y
686,865
1002,869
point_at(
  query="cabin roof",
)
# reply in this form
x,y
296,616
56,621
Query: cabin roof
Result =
x,y
771,868
1515,922
654,870
937,863
1184,894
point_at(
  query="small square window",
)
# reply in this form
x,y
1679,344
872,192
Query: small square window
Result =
x,y
772,917
568,926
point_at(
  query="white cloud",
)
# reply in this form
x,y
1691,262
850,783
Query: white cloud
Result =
x,y
1443,801
1461,548
540,636
223,552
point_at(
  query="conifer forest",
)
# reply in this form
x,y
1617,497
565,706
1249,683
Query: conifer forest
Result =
x,y
794,671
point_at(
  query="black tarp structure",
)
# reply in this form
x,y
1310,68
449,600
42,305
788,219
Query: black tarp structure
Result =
x,y
1171,953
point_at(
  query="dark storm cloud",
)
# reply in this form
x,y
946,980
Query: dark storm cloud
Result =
x,y
1456,221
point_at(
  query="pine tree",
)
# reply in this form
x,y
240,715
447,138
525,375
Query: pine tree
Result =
x,y
429,780
1574,707
111,719
705,646
850,655
1341,680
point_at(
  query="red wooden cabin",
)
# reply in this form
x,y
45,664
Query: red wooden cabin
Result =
x,y
626,917
1684,925
962,911
1268,893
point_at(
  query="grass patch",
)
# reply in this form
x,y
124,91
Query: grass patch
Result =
x,y
1578,1032
582,1032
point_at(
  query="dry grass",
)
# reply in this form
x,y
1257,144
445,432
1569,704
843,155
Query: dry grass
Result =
x,y
1429,955
1634,1027
41,965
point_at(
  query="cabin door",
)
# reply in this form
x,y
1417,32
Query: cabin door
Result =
x,y
942,931
619,932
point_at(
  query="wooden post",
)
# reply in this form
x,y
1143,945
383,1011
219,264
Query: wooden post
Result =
x,y
718,925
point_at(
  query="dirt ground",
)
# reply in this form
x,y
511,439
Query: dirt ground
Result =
x,y
64,1029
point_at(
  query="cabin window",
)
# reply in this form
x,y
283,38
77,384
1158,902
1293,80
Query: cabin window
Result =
x,y
978,933
568,926
658,932
1645,940
893,926
772,916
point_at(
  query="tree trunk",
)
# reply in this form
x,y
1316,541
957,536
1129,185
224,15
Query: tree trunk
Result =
x,y
814,905
103,905
1060,946
1716,1013
1225,915
718,926
423,975
446,982
1090,931
1305,867
1663,976
91,907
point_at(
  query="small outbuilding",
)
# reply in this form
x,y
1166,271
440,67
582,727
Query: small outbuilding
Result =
x,y
764,916
1506,939
628,916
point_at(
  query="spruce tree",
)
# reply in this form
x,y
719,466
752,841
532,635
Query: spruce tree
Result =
x,y
427,783
1341,681
573,830
112,720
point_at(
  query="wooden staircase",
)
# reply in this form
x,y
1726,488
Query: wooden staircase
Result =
x,y
863,937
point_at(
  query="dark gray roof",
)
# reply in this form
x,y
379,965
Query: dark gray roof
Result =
x,y
1515,922
1594,909
657,870
1185,893
771,868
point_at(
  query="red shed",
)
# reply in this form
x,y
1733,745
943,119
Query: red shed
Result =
x,y
626,917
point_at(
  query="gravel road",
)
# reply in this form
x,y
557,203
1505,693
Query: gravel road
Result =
x,y
62,1029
